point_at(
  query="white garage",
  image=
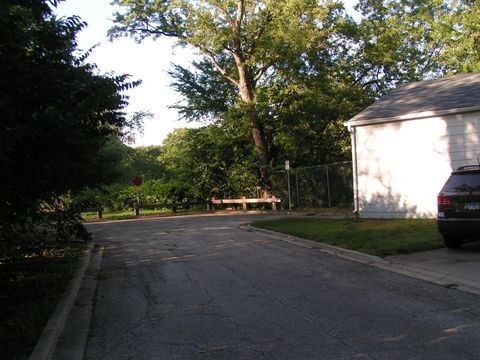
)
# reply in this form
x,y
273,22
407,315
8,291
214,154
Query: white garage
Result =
x,y
405,145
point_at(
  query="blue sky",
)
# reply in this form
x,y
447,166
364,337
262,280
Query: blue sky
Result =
x,y
148,61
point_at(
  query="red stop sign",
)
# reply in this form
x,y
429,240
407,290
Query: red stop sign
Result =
x,y
137,181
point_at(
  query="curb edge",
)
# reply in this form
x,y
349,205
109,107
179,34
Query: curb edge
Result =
x,y
440,279
48,339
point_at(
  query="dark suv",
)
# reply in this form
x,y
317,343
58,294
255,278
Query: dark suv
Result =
x,y
458,216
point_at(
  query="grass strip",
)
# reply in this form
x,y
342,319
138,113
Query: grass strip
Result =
x,y
122,214
128,214
380,237
30,290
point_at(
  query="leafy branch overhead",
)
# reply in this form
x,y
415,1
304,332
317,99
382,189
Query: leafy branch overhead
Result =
x,y
243,40
261,59
57,114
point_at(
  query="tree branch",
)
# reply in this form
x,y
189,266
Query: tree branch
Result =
x,y
259,34
222,70
227,17
240,14
261,71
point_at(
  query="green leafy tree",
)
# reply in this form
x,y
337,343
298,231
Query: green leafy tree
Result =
x,y
460,30
206,94
57,113
410,40
291,72
302,102
207,161
242,39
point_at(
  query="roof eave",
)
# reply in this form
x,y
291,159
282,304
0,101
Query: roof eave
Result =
x,y
420,115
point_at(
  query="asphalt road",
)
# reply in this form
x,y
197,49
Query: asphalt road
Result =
x,y
204,288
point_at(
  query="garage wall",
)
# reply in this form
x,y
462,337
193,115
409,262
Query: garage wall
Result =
x,y
402,165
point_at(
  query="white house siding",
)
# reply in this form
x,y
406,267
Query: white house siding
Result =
x,y
402,165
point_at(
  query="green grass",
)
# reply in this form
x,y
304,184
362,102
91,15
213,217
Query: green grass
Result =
x,y
30,290
122,215
128,214
381,237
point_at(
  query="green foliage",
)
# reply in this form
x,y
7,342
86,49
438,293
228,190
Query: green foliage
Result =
x,y
133,124
318,76
301,104
57,113
244,44
285,74
111,197
410,40
192,164
122,197
208,161
207,95
122,163
459,32
376,237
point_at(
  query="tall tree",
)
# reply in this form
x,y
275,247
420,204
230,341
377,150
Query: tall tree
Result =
x,y
302,101
57,112
410,40
242,39
460,29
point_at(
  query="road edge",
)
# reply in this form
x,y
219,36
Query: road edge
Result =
x,y
437,278
47,342
72,343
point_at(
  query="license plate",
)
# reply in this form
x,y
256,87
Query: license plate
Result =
x,y
472,206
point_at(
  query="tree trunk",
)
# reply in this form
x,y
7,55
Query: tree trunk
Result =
x,y
261,146
258,132
259,139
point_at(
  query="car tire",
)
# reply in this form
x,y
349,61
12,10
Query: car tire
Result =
x,y
452,242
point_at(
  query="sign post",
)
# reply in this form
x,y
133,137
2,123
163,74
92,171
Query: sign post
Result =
x,y
137,181
287,168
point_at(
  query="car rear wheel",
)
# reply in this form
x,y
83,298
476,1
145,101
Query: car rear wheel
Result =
x,y
452,242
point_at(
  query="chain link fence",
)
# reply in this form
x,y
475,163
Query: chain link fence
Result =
x,y
315,187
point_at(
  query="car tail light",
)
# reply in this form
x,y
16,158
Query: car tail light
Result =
x,y
443,200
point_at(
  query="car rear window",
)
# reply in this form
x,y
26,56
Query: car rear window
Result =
x,y
466,182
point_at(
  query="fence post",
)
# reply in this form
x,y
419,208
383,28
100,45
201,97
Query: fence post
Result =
x,y
298,194
244,203
274,204
328,188
289,194
136,208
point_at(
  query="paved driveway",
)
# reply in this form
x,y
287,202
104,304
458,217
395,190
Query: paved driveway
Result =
x,y
463,263
203,288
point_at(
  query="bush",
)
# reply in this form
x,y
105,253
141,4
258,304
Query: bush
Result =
x,y
122,197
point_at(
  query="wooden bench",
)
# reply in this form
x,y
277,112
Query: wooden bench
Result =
x,y
244,201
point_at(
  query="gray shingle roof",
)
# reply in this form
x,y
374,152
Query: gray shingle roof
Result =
x,y
454,92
